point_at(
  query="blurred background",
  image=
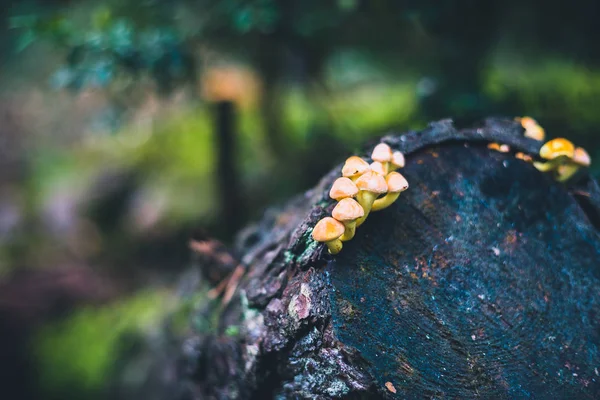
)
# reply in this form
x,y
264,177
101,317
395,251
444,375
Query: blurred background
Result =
x,y
127,127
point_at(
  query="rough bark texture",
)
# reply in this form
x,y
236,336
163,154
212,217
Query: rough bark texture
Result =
x,y
481,281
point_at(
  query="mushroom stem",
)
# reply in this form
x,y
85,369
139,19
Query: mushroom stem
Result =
x,y
365,199
385,201
334,246
386,167
544,166
564,172
550,165
349,232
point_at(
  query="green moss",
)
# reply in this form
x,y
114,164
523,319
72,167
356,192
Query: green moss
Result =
x,y
80,352
559,89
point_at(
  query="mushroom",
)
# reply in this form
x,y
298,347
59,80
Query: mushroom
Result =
x,y
378,167
396,183
532,129
354,167
382,153
502,148
347,211
558,151
371,185
342,188
523,156
397,161
329,230
581,158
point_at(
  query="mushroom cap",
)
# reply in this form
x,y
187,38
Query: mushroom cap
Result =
x,y
342,188
347,210
556,148
396,182
523,156
504,148
494,146
528,122
581,157
372,182
382,153
536,132
328,229
398,159
354,166
376,166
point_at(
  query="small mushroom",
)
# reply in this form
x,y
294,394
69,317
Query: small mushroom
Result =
x,y
396,184
347,211
532,129
371,185
523,156
329,230
397,161
558,151
378,167
354,167
581,157
342,188
382,153
502,148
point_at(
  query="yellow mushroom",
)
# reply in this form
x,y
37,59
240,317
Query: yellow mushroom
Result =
x,y
329,230
532,129
347,211
342,188
354,167
396,184
382,153
371,185
502,148
397,161
378,167
557,151
523,156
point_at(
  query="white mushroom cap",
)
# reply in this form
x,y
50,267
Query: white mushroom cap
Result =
x,y
354,166
376,166
347,210
372,182
328,229
342,188
382,153
398,159
396,182
581,157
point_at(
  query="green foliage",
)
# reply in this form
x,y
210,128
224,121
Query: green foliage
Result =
x,y
560,90
108,48
81,352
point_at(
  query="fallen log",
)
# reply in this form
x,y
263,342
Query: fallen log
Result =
x,y
481,281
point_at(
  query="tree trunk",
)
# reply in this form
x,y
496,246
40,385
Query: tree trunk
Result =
x,y
481,281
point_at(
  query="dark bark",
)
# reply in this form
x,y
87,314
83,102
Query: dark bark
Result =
x,y
481,281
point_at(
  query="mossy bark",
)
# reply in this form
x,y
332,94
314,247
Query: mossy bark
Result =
x,y
481,281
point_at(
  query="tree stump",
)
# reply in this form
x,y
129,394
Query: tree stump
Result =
x,y
481,281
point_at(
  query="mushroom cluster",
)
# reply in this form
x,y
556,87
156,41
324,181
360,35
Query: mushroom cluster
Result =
x,y
563,158
362,188
532,130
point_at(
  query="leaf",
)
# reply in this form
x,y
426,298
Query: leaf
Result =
x,y
25,40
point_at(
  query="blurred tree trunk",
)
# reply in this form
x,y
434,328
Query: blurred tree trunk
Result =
x,y
231,205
